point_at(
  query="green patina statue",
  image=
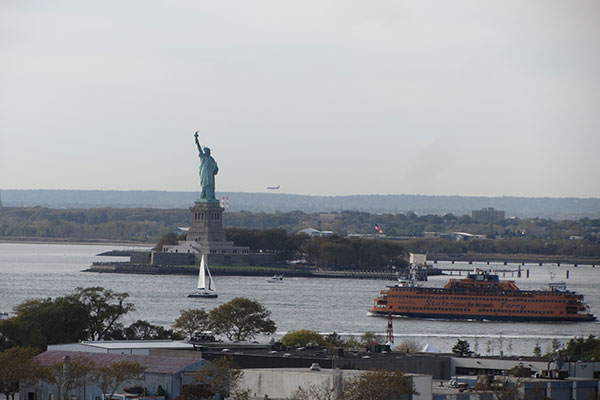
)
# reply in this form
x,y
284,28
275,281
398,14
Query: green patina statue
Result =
x,y
208,170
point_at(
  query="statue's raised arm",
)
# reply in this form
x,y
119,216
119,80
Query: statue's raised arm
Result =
x,y
198,143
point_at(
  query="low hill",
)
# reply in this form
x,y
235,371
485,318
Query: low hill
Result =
x,y
523,207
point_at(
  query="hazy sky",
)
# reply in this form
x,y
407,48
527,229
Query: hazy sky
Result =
x,y
321,97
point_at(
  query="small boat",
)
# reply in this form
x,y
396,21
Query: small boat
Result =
x,y
206,286
276,279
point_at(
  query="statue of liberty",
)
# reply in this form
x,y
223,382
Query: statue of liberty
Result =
x,y
208,170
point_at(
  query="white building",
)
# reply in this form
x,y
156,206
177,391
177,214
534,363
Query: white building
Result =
x,y
137,347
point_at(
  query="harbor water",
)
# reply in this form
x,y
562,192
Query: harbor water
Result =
x,y
325,305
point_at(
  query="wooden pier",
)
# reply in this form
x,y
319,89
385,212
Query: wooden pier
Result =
x,y
505,259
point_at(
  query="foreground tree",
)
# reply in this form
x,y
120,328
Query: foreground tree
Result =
x,y
378,385
221,376
68,374
16,365
584,349
191,321
372,385
41,322
195,392
369,338
88,314
110,377
323,391
408,346
105,308
16,332
303,337
241,319
143,330
462,348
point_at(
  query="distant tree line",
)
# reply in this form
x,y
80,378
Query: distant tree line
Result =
x,y
514,235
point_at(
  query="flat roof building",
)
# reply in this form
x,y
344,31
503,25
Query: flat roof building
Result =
x,y
488,215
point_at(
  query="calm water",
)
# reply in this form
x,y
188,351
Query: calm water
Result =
x,y
325,305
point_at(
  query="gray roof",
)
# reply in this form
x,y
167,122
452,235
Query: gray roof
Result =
x,y
153,364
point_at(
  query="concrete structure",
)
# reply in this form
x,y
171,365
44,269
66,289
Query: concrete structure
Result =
x,y
501,366
474,388
282,383
436,365
487,215
315,232
170,373
205,236
454,235
131,347
417,259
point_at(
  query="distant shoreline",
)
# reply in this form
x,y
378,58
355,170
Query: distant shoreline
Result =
x,y
108,242
127,268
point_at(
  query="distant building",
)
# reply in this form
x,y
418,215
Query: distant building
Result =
x,y
281,383
417,259
315,232
455,235
487,215
123,347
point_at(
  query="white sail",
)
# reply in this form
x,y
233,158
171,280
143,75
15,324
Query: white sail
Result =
x,y
211,283
202,273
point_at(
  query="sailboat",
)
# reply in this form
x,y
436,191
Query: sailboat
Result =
x,y
206,286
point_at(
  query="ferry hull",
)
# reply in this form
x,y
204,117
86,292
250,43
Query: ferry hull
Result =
x,y
512,318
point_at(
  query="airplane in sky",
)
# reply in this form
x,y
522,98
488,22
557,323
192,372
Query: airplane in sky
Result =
x,y
273,187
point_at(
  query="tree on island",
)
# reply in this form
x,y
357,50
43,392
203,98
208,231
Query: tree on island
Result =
x,y
241,319
462,348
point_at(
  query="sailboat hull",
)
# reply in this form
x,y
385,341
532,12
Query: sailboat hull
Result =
x,y
204,295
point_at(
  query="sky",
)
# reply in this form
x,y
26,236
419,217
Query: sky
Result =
x,y
473,98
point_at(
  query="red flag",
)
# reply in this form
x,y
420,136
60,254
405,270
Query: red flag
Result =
x,y
378,229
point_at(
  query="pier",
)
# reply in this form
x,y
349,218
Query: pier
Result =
x,y
506,259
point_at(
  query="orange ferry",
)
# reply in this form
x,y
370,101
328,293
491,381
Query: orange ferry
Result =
x,y
482,296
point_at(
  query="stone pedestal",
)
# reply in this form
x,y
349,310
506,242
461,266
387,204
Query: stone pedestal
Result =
x,y
206,223
205,236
